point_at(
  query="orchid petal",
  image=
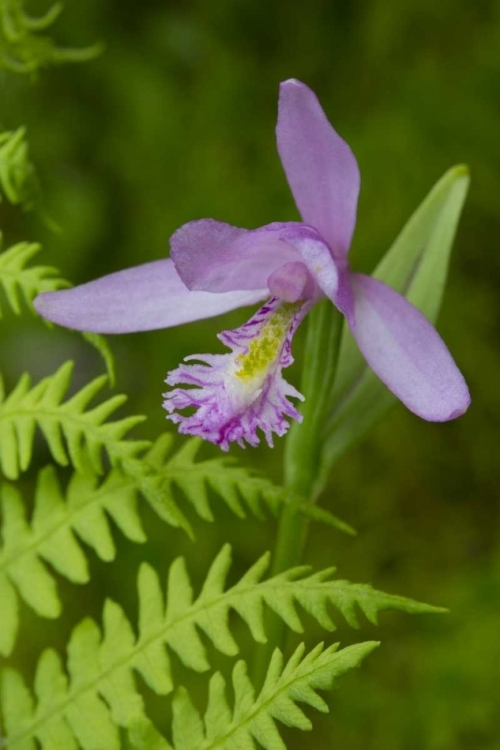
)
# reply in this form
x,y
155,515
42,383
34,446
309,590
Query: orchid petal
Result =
x,y
142,298
406,352
330,275
236,394
212,256
320,167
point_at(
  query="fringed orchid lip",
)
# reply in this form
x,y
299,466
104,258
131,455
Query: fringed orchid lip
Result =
x,y
236,394
215,267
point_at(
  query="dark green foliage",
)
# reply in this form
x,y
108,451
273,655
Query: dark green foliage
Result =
x,y
24,49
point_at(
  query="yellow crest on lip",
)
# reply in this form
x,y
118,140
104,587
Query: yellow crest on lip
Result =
x,y
264,349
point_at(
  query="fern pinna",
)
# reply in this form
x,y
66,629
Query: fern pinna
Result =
x,y
17,279
252,719
85,432
79,434
99,679
80,512
21,283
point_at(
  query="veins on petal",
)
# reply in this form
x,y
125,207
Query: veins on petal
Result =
x,y
236,394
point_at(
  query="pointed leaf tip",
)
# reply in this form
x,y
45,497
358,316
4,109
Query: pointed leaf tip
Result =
x,y
416,266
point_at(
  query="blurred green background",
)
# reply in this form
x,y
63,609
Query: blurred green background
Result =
x,y
175,121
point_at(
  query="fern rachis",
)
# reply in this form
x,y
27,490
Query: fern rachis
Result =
x,y
110,658
253,716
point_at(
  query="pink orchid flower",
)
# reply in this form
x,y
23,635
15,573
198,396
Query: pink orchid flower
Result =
x,y
215,267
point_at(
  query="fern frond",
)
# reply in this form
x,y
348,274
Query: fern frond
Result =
x,y
57,526
253,718
78,435
100,665
240,488
21,282
85,431
237,486
18,179
23,49
60,519
17,280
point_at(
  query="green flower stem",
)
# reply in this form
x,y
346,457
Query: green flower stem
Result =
x,y
302,454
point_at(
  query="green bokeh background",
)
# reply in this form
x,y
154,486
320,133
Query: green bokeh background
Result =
x,y
175,121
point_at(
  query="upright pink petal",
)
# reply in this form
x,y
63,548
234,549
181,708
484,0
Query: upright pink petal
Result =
x,y
320,167
406,352
212,256
142,298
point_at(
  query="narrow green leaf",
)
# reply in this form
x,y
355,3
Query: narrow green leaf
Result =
x,y
416,266
304,440
315,513
102,346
